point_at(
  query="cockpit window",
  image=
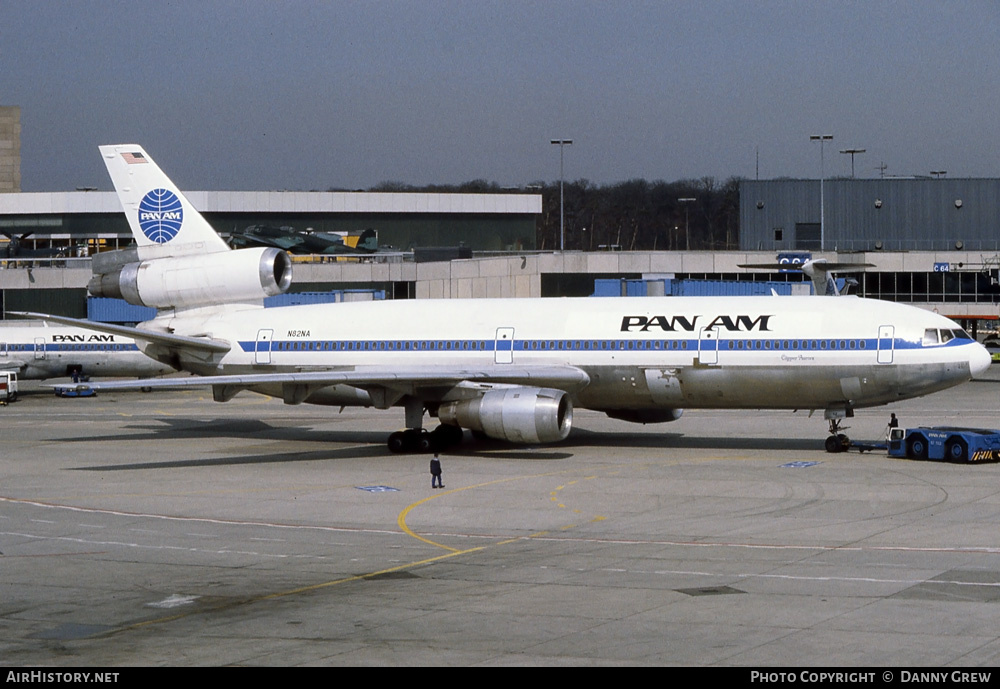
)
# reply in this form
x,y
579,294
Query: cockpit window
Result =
x,y
933,336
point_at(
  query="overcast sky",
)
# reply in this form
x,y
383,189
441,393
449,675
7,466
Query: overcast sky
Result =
x,y
312,95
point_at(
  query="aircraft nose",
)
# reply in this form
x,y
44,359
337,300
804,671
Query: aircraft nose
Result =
x,y
979,361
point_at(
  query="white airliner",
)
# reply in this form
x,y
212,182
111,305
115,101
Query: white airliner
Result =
x,y
511,369
39,351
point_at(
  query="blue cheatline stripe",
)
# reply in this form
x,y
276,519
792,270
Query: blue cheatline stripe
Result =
x,y
723,344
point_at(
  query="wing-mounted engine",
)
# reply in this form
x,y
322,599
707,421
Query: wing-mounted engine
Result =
x,y
516,414
184,281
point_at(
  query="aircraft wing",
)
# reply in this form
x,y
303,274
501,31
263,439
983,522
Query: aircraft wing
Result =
x,y
288,244
299,384
203,344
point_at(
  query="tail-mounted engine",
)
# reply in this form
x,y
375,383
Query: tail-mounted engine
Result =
x,y
215,278
516,414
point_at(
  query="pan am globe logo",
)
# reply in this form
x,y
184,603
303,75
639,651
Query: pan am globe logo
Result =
x,y
160,215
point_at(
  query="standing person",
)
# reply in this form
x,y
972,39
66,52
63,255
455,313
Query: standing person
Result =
x,y
436,472
893,423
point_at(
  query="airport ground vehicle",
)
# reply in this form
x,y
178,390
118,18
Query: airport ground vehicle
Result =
x,y
993,347
8,386
944,443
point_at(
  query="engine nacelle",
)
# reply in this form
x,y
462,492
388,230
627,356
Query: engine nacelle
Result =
x,y
645,415
216,278
516,414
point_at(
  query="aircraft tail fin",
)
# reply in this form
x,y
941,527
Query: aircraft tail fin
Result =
x,y
368,241
163,221
822,273
179,261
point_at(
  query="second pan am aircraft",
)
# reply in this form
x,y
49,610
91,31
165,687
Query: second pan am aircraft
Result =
x,y
40,351
511,369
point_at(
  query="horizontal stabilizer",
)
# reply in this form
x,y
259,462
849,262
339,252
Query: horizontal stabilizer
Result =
x,y
167,339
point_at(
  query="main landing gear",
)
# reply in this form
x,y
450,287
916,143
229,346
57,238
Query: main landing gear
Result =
x,y
415,438
420,440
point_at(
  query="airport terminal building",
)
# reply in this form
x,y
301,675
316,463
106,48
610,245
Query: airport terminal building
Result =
x,y
85,222
931,242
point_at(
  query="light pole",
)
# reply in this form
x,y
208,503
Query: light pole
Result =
x,y
821,138
561,143
853,152
687,221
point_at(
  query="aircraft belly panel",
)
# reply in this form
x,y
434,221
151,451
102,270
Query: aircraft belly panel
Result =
x,y
757,387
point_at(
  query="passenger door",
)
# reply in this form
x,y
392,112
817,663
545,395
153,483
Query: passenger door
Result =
x,y
708,346
262,352
503,348
886,340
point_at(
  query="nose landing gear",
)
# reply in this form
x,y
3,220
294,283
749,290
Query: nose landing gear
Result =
x,y
837,441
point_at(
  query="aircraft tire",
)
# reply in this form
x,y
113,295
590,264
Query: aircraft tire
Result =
x,y
956,451
397,442
426,442
837,443
446,436
917,448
